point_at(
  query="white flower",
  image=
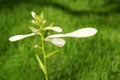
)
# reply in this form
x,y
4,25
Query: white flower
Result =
x,y
56,41
57,29
56,38
19,37
80,33
35,31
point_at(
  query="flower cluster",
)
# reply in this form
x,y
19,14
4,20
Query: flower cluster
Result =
x,y
55,39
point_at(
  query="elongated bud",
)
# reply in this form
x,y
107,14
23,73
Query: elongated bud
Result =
x,y
33,14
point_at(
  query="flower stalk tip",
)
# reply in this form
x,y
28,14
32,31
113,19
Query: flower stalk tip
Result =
x,y
33,14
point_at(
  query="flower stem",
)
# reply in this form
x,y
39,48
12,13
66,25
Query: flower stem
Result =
x,y
44,56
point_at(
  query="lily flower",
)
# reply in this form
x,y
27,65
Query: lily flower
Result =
x,y
56,39
57,29
80,33
19,37
35,31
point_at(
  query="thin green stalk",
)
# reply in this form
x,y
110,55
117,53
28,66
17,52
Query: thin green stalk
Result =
x,y
52,53
44,56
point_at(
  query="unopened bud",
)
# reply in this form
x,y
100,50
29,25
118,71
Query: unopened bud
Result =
x,y
33,21
36,46
44,21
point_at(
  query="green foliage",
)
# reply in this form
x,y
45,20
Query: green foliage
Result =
x,y
95,58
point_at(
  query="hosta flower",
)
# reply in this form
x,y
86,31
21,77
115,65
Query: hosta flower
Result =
x,y
57,29
56,39
84,32
19,37
80,33
35,31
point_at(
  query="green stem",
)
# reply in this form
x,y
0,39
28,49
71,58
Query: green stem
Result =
x,y
44,56
52,53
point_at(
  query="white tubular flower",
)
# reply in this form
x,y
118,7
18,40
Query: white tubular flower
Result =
x,y
57,41
19,37
33,14
57,29
80,33
84,32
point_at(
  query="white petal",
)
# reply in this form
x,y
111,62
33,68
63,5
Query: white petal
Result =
x,y
56,36
84,32
33,14
19,37
57,29
57,41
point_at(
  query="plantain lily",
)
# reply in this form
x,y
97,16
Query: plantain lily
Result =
x,y
19,37
80,33
56,38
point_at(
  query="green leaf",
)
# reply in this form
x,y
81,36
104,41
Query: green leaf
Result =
x,y
51,25
40,63
52,53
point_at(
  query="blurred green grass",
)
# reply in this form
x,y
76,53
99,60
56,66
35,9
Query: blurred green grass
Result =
x,y
94,58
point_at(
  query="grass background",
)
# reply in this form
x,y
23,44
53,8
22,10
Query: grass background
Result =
x,y
94,58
